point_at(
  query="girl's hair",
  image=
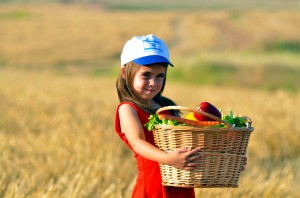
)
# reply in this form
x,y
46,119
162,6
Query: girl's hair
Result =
x,y
126,92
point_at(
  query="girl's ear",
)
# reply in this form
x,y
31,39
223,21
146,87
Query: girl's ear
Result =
x,y
123,72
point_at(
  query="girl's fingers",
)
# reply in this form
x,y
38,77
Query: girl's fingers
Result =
x,y
195,157
245,161
195,153
192,158
183,149
190,165
242,168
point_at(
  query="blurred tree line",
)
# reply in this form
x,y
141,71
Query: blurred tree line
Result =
x,y
176,4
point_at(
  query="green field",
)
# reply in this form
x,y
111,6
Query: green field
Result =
x,y
58,66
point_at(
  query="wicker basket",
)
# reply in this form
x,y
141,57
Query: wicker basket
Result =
x,y
224,152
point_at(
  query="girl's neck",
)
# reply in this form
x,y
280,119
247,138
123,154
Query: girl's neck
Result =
x,y
154,104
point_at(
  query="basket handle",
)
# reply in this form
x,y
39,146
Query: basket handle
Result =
x,y
228,125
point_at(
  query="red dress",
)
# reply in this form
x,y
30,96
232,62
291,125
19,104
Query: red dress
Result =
x,y
148,182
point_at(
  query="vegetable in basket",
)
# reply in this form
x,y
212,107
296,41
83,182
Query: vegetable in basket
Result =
x,y
154,119
190,119
174,121
208,108
237,121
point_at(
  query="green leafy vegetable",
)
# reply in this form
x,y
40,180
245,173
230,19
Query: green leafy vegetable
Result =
x,y
153,120
237,121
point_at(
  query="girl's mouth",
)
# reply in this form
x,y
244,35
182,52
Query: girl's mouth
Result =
x,y
151,90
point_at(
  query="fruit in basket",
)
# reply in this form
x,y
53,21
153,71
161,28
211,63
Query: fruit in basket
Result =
x,y
175,120
208,108
170,120
190,116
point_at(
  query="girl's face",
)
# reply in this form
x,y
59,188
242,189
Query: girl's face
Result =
x,y
148,81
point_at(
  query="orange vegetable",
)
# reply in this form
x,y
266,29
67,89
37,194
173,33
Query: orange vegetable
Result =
x,y
187,121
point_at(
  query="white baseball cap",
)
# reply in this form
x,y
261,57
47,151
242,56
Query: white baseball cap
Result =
x,y
145,50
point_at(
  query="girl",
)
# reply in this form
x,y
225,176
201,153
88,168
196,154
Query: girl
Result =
x,y
144,64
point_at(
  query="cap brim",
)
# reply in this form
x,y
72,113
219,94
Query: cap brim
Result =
x,y
147,60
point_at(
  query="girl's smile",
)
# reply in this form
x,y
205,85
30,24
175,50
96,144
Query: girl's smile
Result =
x,y
148,80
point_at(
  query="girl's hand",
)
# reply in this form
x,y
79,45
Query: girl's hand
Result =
x,y
184,158
244,164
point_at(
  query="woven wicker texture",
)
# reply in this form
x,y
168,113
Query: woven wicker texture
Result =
x,y
224,152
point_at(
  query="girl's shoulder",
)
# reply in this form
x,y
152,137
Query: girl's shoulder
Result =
x,y
127,108
126,103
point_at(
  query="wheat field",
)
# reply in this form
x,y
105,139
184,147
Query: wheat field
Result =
x,y
57,116
57,137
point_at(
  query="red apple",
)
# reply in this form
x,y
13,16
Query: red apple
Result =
x,y
208,108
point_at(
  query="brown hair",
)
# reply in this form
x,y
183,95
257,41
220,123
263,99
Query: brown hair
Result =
x,y
127,93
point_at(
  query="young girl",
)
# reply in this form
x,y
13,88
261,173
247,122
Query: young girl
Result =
x,y
144,64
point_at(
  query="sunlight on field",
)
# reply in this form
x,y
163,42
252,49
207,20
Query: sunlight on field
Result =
x,y
57,137
58,66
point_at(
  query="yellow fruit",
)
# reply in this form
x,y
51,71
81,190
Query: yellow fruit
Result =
x,y
190,116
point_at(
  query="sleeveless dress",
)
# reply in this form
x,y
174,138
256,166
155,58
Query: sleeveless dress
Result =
x,y
148,182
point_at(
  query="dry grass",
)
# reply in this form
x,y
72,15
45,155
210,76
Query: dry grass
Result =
x,y
57,134
57,137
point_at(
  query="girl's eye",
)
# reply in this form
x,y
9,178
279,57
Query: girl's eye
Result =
x,y
161,76
146,75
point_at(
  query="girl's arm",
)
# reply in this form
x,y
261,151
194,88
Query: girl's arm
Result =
x,y
183,158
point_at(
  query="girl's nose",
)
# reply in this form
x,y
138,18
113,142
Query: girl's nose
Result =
x,y
153,82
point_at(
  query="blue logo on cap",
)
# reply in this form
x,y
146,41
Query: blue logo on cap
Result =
x,y
152,45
